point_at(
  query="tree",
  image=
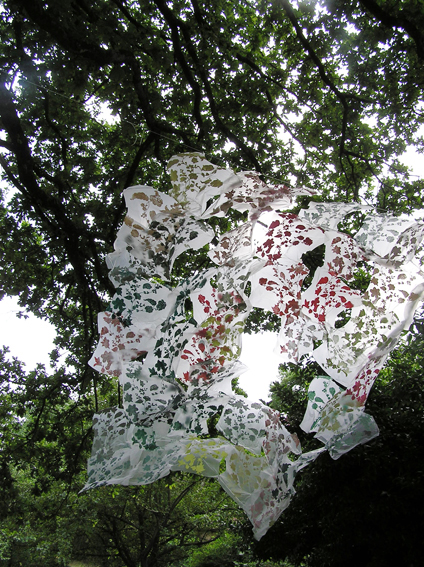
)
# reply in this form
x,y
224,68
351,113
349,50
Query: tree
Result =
x,y
43,519
44,441
150,526
322,94
363,505
320,73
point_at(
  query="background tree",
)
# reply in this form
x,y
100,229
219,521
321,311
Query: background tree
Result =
x,y
96,96
365,506
43,519
312,95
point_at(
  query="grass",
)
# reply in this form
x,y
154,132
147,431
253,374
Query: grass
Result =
x,y
81,564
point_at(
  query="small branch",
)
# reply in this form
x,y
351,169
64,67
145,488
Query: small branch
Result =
x,y
308,47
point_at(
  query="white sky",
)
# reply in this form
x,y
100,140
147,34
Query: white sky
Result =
x,y
30,339
258,355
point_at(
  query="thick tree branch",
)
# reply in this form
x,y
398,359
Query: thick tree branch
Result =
x,y
57,222
326,79
47,21
144,98
189,76
399,20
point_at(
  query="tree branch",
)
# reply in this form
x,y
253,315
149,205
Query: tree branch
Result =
x,y
400,20
174,23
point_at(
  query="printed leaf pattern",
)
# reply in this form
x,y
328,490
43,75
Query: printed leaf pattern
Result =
x,y
327,297
277,287
119,343
195,181
289,237
380,233
251,194
234,244
175,349
342,255
329,215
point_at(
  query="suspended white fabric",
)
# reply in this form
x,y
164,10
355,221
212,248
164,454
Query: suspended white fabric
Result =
x,y
176,349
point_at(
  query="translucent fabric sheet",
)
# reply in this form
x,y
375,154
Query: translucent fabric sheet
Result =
x,y
175,348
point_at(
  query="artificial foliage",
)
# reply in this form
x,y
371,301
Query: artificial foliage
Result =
x,y
175,348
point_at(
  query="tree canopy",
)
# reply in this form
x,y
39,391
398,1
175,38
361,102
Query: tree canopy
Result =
x,y
97,95
318,93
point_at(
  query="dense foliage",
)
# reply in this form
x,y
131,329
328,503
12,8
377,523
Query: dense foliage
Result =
x,y
98,95
365,507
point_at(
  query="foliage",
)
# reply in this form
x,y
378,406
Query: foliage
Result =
x,y
155,525
224,551
96,96
230,550
364,504
44,521
295,94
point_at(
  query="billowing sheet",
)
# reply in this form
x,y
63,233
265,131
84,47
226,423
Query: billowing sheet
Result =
x,y
175,348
